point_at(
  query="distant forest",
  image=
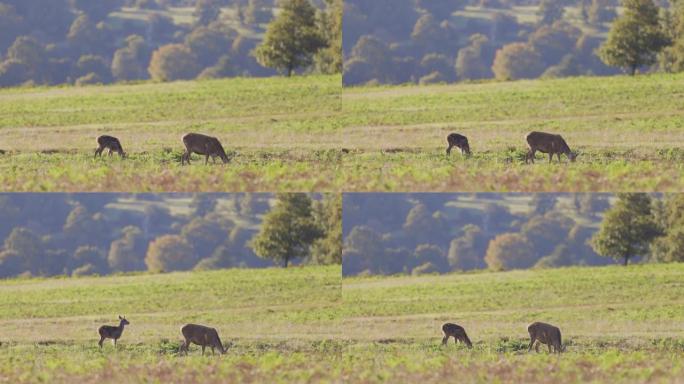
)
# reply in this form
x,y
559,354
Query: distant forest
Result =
x,y
47,42
104,233
441,233
445,41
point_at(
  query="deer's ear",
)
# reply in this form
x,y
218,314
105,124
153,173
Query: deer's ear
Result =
x,y
120,318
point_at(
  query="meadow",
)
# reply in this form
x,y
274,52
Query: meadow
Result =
x,y
627,130
279,326
281,134
619,325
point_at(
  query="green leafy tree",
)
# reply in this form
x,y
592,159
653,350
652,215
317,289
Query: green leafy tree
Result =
x,y
329,58
670,217
292,38
328,214
470,61
627,229
288,231
635,38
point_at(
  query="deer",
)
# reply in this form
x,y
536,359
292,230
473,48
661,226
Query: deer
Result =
x,y
111,143
112,332
458,333
548,143
203,145
201,335
458,141
545,334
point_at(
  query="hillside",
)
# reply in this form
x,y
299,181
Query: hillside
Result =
x,y
627,131
619,325
280,134
271,318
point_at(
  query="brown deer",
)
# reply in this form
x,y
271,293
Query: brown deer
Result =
x,y
458,333
203,145
112,332
201,335
458,141
548,143
545,334
111,143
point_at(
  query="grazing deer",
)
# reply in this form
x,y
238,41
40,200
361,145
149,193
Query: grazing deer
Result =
x,y
202,336
112,332
548,143
458,333
111,143
545,334
458,141
203,145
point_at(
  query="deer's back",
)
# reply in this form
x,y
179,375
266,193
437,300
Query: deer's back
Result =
x,y
199,334
108,141
451,328
546,141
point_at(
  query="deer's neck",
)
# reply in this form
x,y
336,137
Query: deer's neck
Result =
x,y
121,325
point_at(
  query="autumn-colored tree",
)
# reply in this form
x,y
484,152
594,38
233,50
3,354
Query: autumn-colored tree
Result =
x,y
170,253
173,62
517,61
510,251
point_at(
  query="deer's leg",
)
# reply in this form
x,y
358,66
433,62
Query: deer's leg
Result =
x,y
110,151
203,350
531,344
101,341
449,150
445,340
98,151
550,157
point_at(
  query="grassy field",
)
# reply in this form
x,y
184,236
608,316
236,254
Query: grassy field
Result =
x,y
281,326
619,324
282,134
628,132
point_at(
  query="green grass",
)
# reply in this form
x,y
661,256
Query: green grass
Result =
x,y
628,132
282,134
619,324
281,325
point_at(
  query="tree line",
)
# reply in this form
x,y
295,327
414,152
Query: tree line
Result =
x,y
442,233
431,42
47,42
92,234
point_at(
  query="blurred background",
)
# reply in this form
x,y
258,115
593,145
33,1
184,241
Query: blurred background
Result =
x,y
106,233
106,41
436,41
442,233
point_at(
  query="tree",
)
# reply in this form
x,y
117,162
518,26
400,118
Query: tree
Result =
x,y
28,51
627,229
328,214
470,62
288,230
635,38
90,255
517,61
209,44
223,68
329,58
29,247
97,10
467,252
291,39
127,253
550,11
441,8
362,247
206,11
170,253
510,251
553,42
127,63
204,236
670,218
257,12
173,62
94,64
542,203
